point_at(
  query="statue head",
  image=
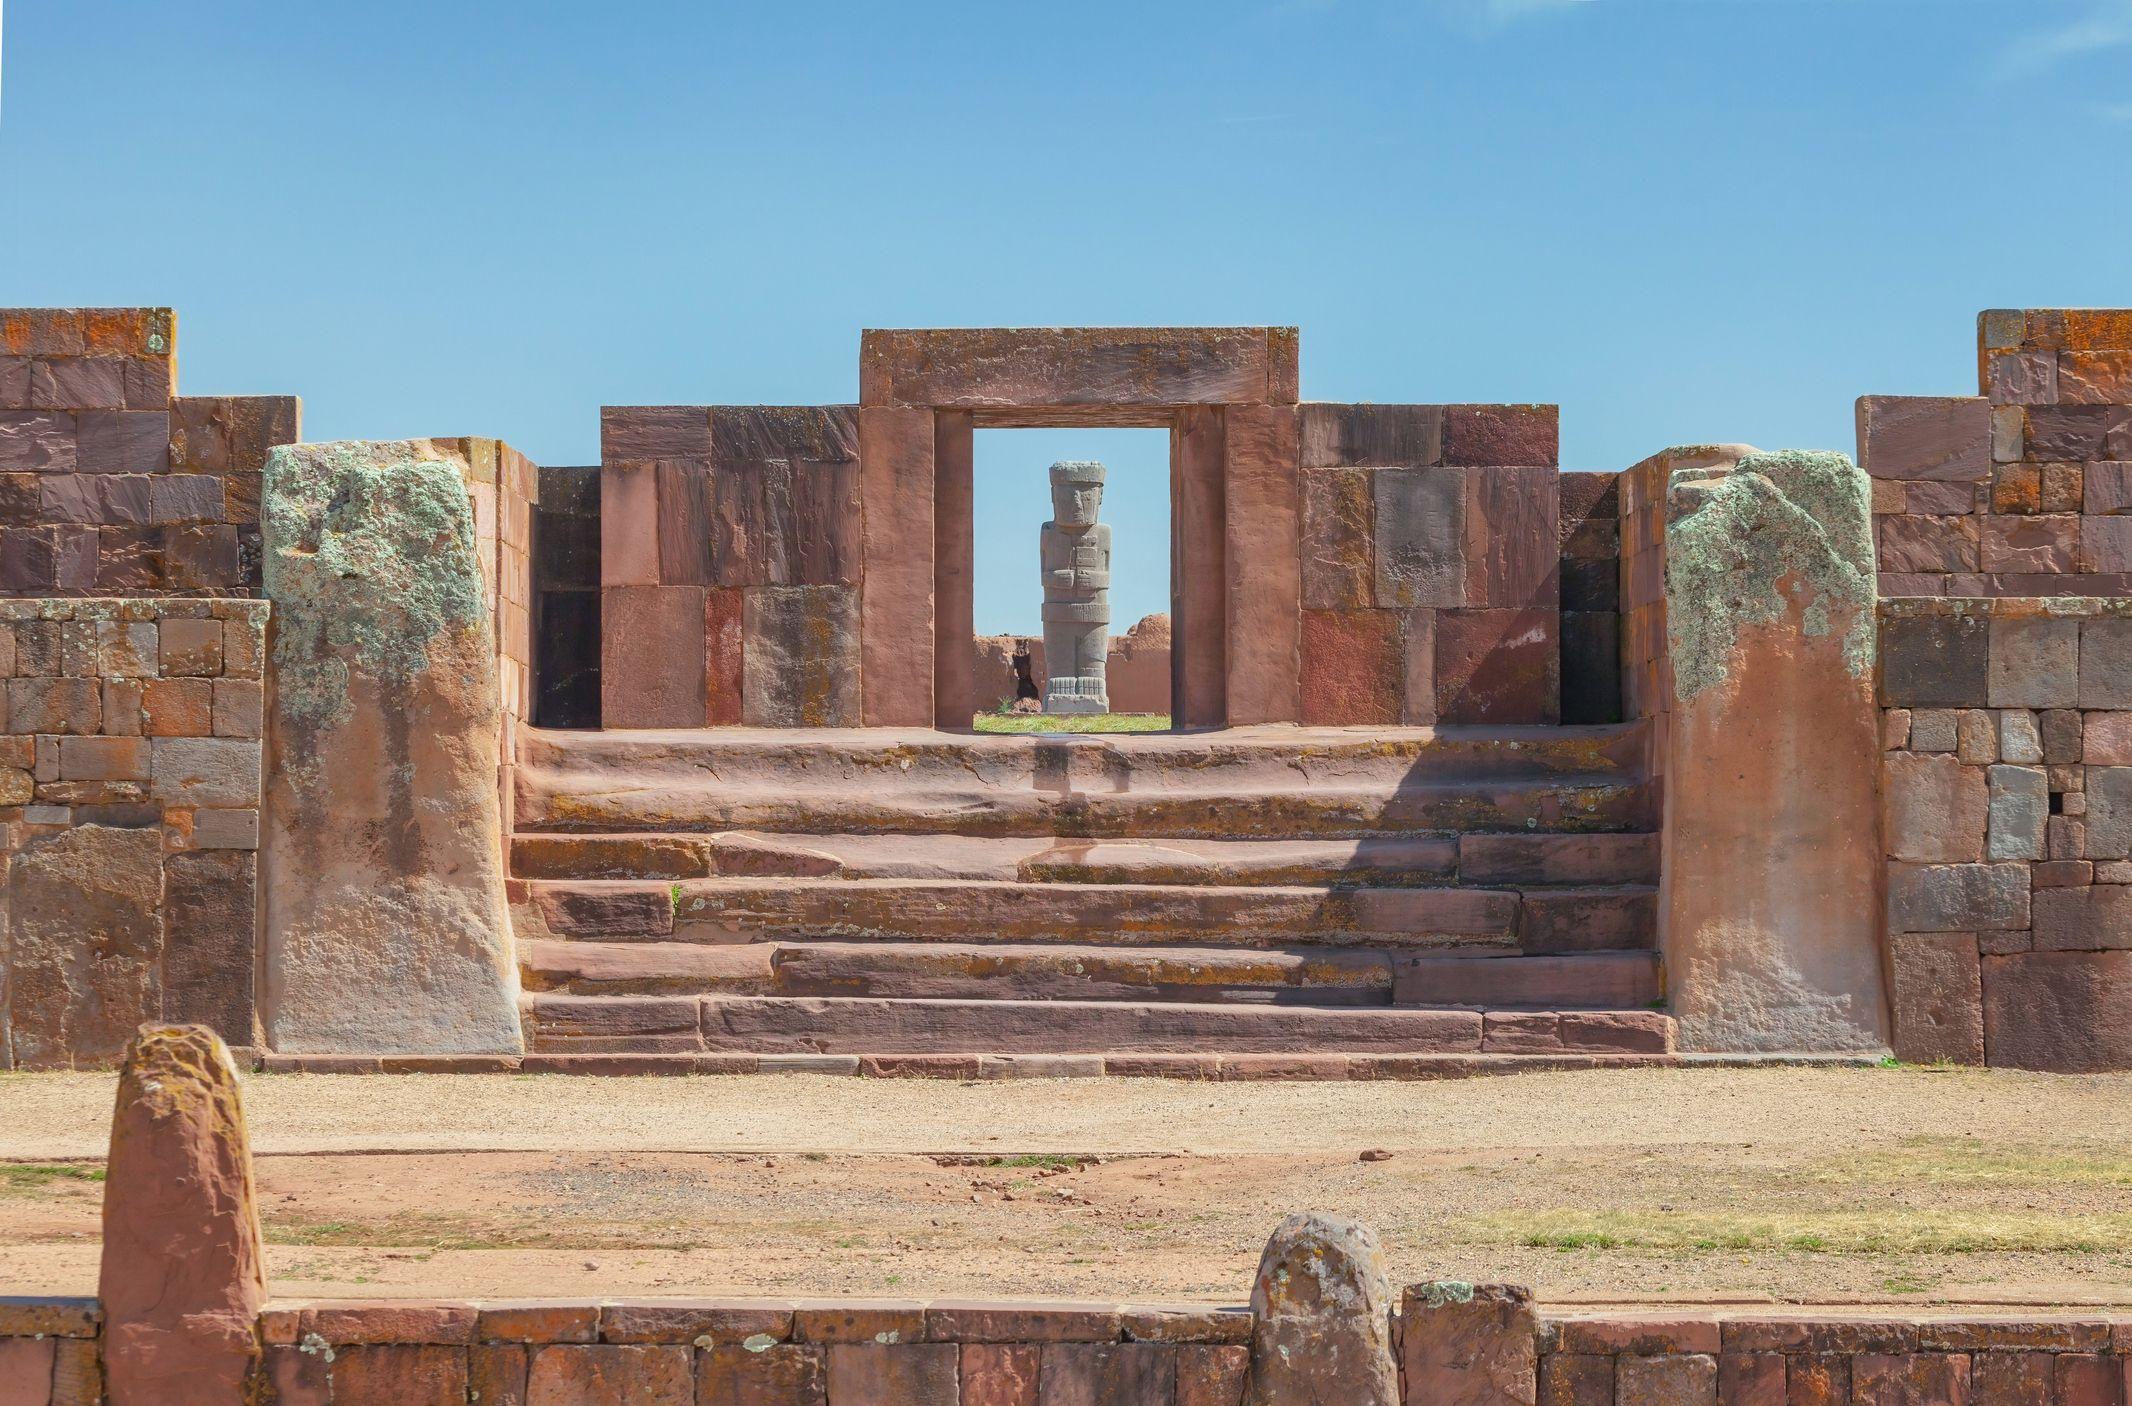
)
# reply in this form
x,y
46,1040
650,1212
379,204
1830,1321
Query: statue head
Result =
x,y
1076,492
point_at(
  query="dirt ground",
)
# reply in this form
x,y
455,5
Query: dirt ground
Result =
x,y
1824,1185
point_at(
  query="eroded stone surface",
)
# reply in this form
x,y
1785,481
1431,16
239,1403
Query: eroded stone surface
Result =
x,y
1322,1309
82,962
1468,1345
386,926
183,1276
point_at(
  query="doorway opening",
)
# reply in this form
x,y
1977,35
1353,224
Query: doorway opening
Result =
x,y
1121,681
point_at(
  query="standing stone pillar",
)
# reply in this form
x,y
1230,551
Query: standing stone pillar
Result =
x,y
1771,895
1076,558
183,1275
1321,1317
386,926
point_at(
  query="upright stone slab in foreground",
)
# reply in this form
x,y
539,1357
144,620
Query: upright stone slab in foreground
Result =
x,y
183,1278
1772,893
386,925
1321,1318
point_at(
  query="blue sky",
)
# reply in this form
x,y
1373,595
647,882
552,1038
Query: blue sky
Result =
x,y
1681,219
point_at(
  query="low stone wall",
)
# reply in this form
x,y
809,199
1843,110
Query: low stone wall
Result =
x,y
129,821
51,1352
2008,795
1137,670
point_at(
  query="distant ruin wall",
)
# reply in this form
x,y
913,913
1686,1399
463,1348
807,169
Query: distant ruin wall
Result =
x,y
1138,667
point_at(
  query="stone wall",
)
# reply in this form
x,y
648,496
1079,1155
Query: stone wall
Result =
x,y
129,795
1430,564
50,1352
1589,523
110,482
2008,796
730,566
2024,489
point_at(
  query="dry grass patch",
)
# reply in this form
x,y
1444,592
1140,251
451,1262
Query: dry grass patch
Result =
x,y
1893,1230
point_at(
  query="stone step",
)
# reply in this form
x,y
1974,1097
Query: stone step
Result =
x,y
726,910
1333,976
1250,783
562,1024
1476,858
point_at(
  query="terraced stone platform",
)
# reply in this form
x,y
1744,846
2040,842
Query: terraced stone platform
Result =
x,y
1261,891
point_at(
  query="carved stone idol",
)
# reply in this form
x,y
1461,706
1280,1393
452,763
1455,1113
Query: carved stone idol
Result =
x,y
1076,558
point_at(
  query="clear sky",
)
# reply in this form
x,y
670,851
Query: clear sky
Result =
x,y
1681,219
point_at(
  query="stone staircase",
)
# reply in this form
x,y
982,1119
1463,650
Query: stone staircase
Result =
x,y
1276,891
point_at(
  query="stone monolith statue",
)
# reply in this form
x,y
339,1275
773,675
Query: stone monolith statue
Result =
x,y
1076,558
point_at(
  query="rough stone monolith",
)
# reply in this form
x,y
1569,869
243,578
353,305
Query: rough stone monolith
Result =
x,y
1321,1317
183,1276
1772,896
386,927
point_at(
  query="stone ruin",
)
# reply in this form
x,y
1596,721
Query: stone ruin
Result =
x,y
415,754
1074,552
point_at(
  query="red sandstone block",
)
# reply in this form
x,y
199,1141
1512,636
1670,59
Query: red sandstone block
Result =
x,y
1161,1066
1338,536
973,1321
41,331
725,656
1671,1380
1526,435
386,1322
2006,1334
399,1375
1512,557
1576,1379
606,1375
2012,1378
1826,1335
538,1323
652,656
1946,438
496,1374
2089,1379
668,1060
683,496
26,1371
1095,367
724,1321
919,1066
1212,1376
1371,436
1817,1379
1638,1336
1158,1324
783,1374
858,1321
296,1377
1249,1067
630,433
909,1374
2088,329
1751,1379
2069,1012
1000,1374
1498,666
1912,1379
629,524
1354,667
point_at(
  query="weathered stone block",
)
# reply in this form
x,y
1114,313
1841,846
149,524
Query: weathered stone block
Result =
x,y
783,1374
1935,730
1511,555
2035,662
2046,543
85,943
1321,1311
2020,804
1498,666
183,1278
2065,1011
2067,433
209,921
1925,437
386,924
1468,1345
1938,998
637,433
1339,510
1957,897
1935,659
1937,808
2062,736
801,658
1591,667
1502,434
205,771
573,1374
652,656
2106,544
2020,740
1914,543
1354,667
1095,367
1670,1379
2090,919
1371,436
2108,812
1420,524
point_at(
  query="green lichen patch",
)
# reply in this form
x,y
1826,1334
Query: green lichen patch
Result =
x,y
1778,531
370,558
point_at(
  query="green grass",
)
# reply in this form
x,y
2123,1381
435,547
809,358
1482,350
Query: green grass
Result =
x,y
35,1176
1050,1160
1083,722
1893,1230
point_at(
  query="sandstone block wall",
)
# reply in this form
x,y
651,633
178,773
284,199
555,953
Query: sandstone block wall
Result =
x,y
2023,489
1589,522
730,562
129,817
110,482
2007,788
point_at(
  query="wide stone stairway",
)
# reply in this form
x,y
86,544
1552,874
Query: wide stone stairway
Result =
x,y
1423,892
